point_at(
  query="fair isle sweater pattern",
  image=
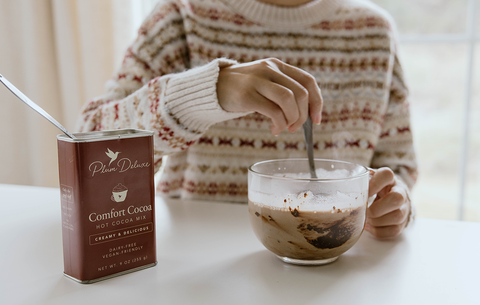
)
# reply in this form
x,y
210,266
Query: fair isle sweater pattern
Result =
x,y
167,83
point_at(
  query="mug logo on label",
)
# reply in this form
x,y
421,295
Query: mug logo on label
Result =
x,y
113,156
119,193
120,166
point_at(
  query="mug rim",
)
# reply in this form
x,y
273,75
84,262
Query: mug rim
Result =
x,y
251,170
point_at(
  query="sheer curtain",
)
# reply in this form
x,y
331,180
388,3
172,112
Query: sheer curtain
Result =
x,y
59,53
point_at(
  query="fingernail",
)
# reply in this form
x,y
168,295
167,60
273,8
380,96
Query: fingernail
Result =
x,y
274,130
367,227
317,118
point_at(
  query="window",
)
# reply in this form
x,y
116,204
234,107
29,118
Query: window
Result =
x,y
440,53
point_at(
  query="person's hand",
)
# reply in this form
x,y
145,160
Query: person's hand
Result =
x,y
389,213
279,91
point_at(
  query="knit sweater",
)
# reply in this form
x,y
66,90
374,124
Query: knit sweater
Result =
x,y
167,83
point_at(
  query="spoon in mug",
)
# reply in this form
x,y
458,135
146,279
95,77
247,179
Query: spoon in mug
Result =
x,y
34,106
308,133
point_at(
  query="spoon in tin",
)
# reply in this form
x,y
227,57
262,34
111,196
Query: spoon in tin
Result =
x,y
308,133
34,106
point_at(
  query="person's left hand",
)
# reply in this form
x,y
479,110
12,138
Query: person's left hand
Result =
x,y
389,213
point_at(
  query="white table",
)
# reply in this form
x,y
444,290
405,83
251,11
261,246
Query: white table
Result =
x,y
208,254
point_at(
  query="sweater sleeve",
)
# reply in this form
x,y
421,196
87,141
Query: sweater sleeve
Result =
x,y
395,147
154,88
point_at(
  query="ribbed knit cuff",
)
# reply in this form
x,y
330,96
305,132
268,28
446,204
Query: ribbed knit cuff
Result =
x,y
280,17
191,97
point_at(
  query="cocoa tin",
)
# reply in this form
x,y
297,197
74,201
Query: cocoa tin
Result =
x,y
107,203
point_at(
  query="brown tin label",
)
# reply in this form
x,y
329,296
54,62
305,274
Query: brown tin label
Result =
x,y
107,198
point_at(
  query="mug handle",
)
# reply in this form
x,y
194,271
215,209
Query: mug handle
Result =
x,y
371,199
113,199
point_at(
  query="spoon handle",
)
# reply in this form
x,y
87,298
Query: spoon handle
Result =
x,y
33,105
308,133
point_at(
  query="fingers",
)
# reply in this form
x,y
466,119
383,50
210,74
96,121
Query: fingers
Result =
x,y
382,178
304,78
388,203
269,109
290,96
287,93
290,90
395,217
385,232
388,214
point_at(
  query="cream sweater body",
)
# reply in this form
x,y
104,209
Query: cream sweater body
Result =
x,y
167,83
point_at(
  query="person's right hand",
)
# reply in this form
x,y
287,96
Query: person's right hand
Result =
x,y
273,88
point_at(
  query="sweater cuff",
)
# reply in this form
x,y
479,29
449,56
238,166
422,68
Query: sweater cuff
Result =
x,y
191,97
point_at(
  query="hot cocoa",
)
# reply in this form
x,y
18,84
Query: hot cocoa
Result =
x,y
307,235
305,220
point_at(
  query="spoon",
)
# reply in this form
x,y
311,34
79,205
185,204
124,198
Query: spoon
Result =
x,y
34,106
308,133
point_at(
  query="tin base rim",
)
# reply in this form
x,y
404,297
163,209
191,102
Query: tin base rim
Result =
x,y
111,275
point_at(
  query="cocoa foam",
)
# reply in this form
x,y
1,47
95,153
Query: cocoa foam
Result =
x,y
317,198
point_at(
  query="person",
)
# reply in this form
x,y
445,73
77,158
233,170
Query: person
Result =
x,y
227,83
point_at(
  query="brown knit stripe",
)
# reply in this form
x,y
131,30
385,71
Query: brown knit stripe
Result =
x,y
292,47
173,62
350,65
94,105
334,115
276,144
399,130
155,50
242,35
331,116
352,85
176,168
398,72
360,23
133,60
393,155
165,134
397,96
204,188
170,186
159,14
216,188
344,114
229,168
167,30
321,64
216,14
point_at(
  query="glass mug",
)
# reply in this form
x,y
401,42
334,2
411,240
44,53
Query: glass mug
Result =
x,y
303,220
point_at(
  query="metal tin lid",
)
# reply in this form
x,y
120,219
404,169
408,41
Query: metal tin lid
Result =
x,y
105,135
